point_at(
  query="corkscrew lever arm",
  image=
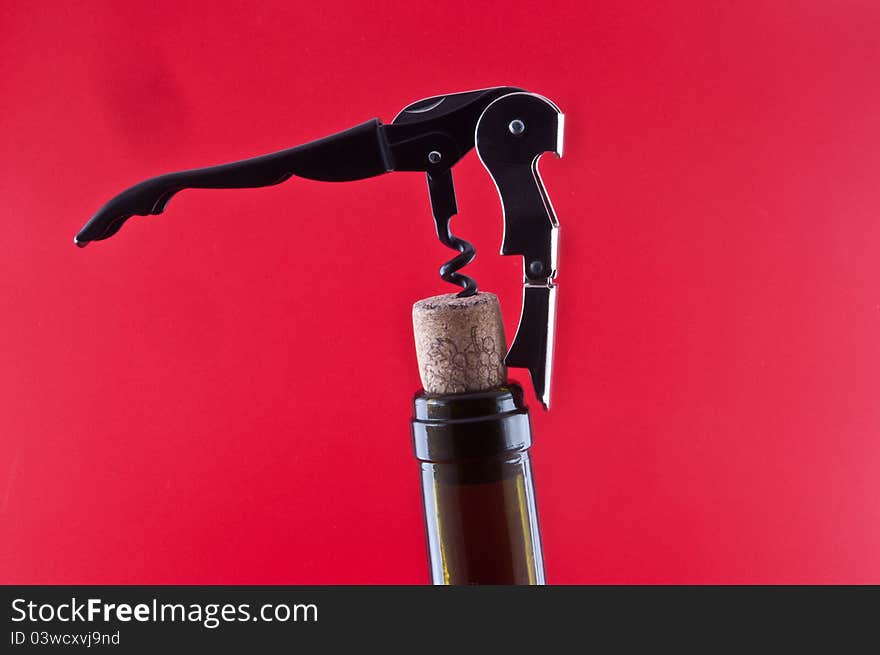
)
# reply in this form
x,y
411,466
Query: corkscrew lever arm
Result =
x,y
512,134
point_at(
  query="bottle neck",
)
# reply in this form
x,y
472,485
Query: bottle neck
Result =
x,y
477,487
467,426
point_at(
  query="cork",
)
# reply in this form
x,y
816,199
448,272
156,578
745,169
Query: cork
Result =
x,y
460,343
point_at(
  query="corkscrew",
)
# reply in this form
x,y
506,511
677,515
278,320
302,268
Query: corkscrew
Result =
x,y
510,129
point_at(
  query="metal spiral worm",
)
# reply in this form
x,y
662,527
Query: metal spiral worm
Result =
x,y
443,208
449,270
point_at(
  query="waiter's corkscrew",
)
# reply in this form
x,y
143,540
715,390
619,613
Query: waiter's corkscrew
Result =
x,y
510,129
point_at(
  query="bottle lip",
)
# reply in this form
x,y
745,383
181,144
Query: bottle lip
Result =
x,y
471,405
470,426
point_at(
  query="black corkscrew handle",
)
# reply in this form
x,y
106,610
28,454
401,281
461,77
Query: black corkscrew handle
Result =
x,y
359,152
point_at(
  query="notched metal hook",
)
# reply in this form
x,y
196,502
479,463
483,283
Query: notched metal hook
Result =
x,y
512,134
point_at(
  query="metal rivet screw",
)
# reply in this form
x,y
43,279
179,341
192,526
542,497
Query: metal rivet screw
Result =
x,y
535,268
516,127
434,156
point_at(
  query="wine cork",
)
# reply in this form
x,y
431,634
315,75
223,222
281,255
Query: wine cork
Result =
x,y
460,343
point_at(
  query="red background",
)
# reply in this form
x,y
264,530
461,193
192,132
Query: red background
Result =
x,y
221,394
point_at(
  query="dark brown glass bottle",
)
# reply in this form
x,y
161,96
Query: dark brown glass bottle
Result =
x,y
477,487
